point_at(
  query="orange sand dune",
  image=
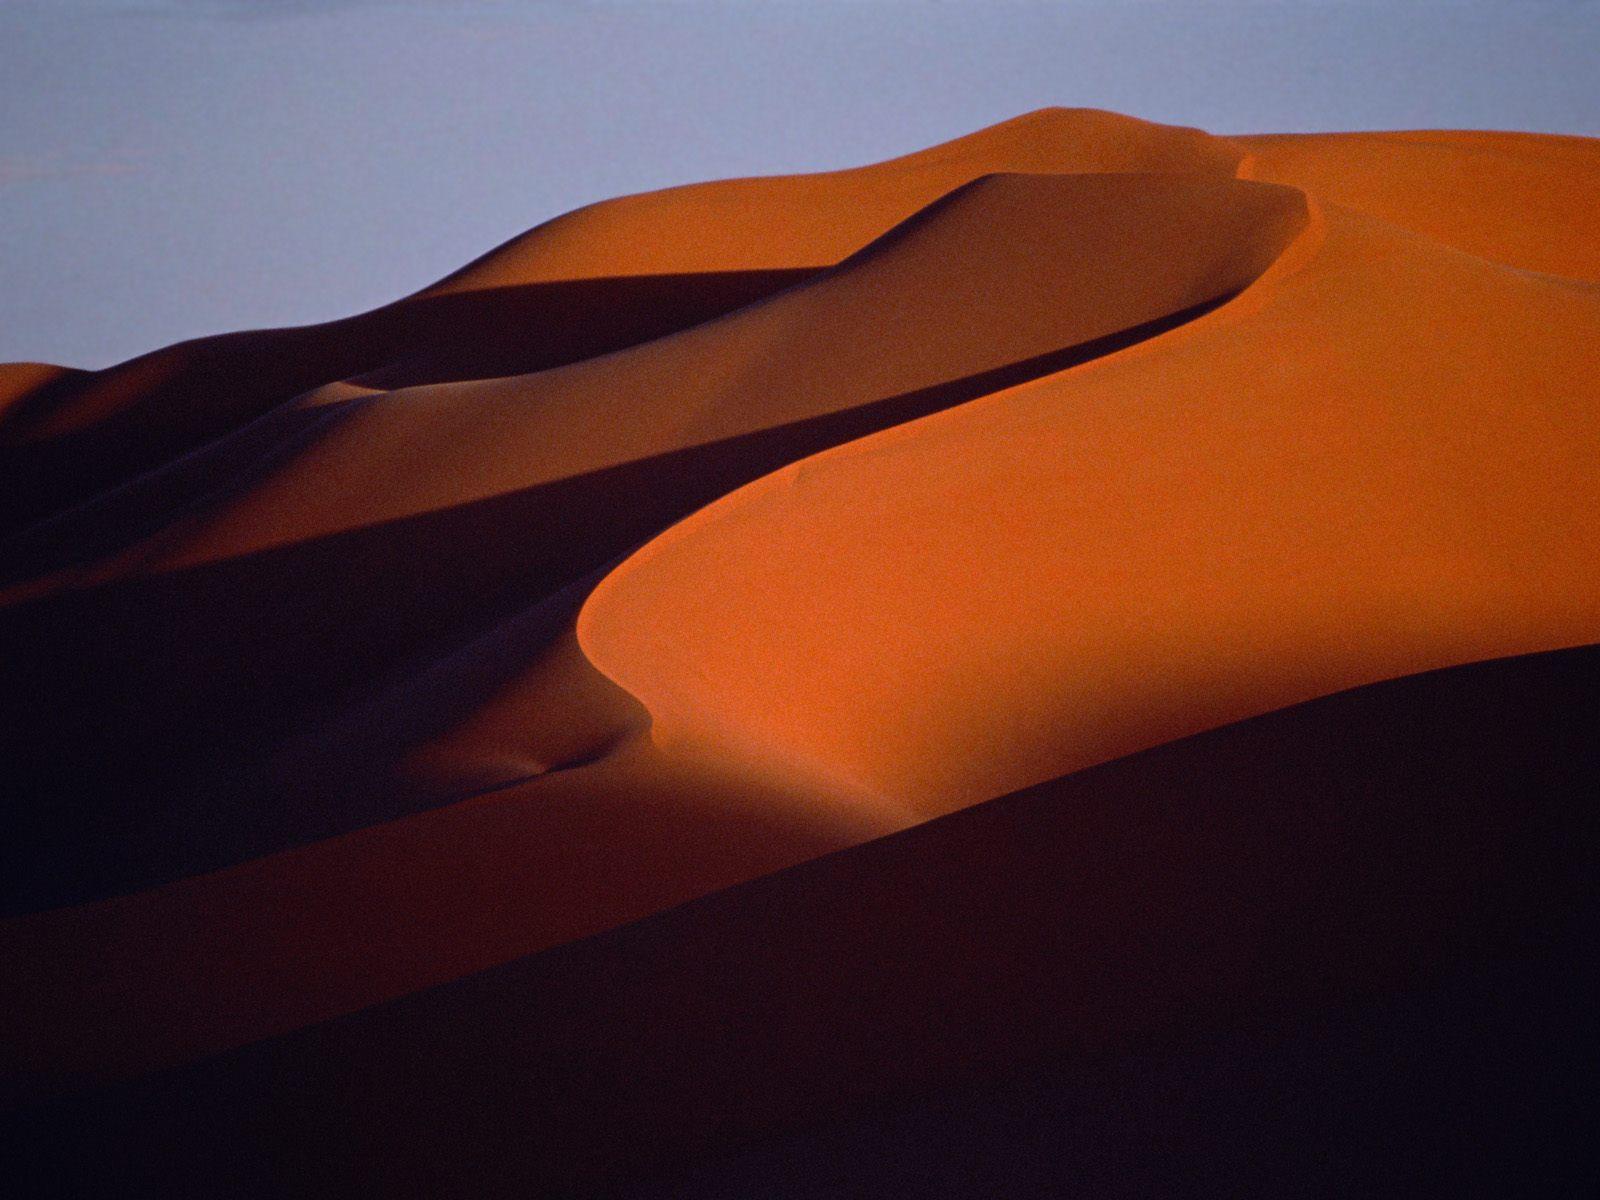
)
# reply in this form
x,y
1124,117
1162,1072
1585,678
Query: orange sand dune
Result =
x,y
696,535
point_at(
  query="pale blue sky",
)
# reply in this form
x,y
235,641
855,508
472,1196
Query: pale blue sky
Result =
x,y
170,168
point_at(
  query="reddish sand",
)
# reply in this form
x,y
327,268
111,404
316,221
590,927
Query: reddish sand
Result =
x,y
695,535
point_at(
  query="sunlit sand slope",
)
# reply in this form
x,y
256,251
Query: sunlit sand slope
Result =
x,y
973,553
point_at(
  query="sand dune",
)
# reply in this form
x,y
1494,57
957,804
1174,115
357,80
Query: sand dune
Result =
x,y
1392,839
893,565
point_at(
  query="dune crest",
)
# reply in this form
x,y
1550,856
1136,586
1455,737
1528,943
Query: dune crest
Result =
x,y
698,535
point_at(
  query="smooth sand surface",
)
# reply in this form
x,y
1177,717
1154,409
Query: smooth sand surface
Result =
x,y
696,535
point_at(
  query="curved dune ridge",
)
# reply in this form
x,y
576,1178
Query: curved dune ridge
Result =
x,y
740,653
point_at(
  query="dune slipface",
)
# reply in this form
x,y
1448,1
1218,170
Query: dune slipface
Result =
x,y
1062,660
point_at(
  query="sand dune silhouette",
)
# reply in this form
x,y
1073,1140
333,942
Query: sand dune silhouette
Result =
x,y
740,673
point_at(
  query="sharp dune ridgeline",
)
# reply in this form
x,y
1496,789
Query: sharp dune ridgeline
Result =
x,y
1062,661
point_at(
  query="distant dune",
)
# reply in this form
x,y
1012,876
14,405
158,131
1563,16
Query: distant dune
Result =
x,y
1063,661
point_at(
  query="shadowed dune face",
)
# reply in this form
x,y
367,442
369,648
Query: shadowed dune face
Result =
x,y
1427,841
693,536
66,439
